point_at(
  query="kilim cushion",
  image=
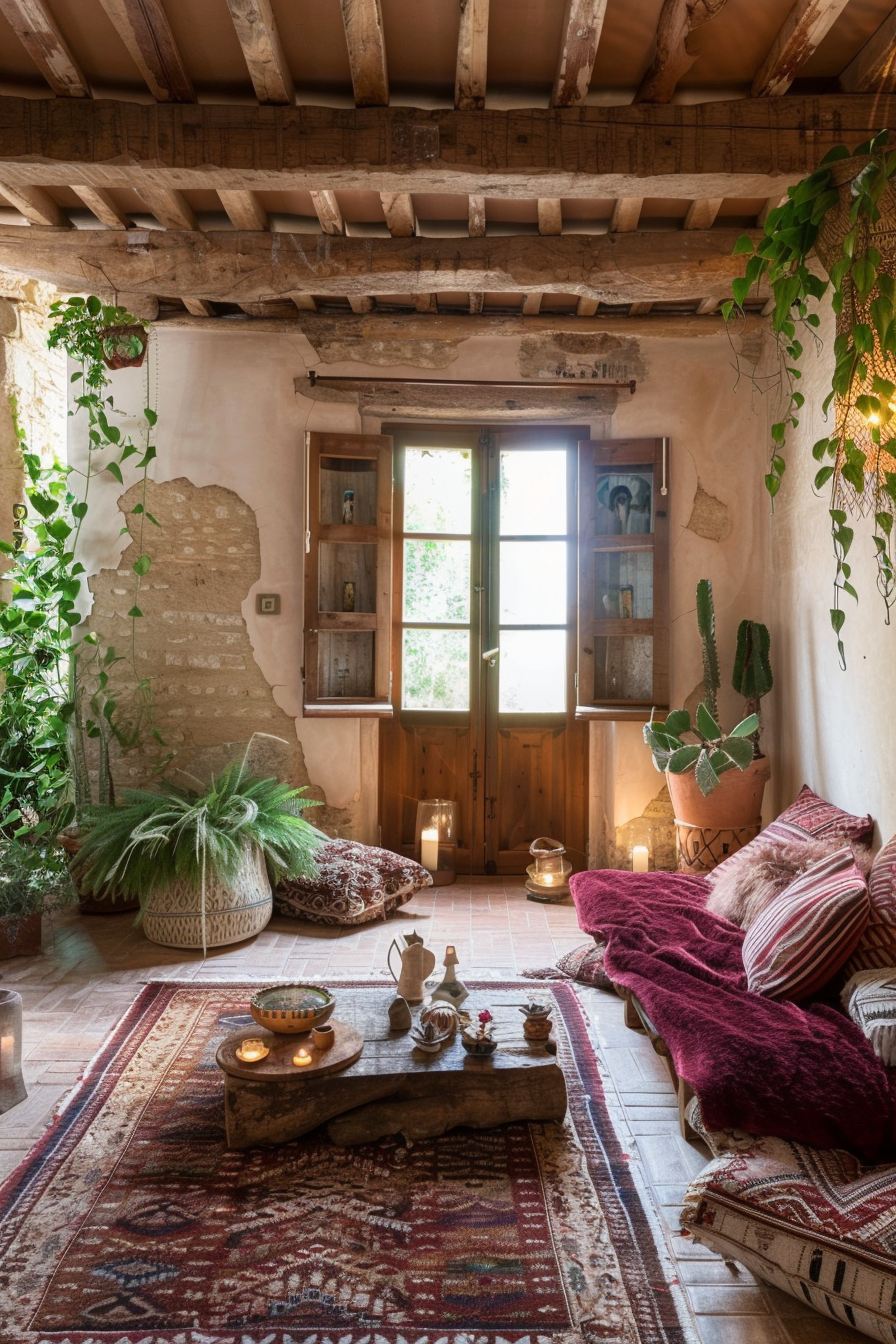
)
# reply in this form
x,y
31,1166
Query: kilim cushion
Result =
x,y
819,817
586,964
806,934
817,1224
870,999
877,946
354,884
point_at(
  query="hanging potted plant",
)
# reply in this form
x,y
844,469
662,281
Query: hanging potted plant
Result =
x,y
715,779
124,346
845,215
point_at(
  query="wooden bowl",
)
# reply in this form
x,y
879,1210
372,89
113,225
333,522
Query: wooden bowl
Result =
x,y
291,1008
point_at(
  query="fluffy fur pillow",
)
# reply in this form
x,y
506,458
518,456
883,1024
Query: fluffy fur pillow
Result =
x,y
745,884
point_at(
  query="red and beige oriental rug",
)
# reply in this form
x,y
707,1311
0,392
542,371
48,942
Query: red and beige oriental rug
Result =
x,y
131,1222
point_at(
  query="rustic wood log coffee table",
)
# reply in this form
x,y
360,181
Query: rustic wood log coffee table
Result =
x,y
393,1087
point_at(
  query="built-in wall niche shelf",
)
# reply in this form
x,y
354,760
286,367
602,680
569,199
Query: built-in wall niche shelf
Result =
x,y
623,663
348,575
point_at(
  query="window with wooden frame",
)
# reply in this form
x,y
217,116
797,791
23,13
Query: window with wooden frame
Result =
x,y
623,659
348,575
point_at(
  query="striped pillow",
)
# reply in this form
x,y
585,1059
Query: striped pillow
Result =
x,y
806,934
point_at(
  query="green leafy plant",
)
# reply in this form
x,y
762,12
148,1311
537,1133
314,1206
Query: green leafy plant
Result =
x,y
678,745
155,837
752,676
34,880
835,212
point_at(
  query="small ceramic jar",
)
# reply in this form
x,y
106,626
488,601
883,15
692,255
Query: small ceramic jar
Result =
x,y
322,1037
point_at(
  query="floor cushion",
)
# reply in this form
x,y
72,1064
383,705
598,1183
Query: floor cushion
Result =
x,y
354,884
819,817
876,949
817,1224
870,999
584,963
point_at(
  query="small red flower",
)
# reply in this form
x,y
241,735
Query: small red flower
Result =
x,y
485,1016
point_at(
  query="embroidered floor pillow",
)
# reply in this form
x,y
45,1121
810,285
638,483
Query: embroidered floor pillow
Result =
x,y
742,886
870,999
354,884
815,1223
876,948
805,935
819,817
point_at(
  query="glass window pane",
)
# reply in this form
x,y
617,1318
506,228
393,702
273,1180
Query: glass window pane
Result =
x,y
533,582
624,502
437,490
435,669
532,672
623,585
623,667
533,493
436,580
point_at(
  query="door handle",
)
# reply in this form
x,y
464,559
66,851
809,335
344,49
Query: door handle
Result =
x,y
491,656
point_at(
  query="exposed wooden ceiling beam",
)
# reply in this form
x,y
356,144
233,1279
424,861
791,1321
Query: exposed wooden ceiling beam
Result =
x,y
244,210
143,27
587,307
804,28
103,206
626,213
35,204
199,307
399,211
472,55
426,303
708,305
306,303
674,51
36,29
256,29
362,304
532,304
742,147
639,309
169,206
874,69
477,299
227,266
702,214
550,216
476,216
582,24
366,42
328,212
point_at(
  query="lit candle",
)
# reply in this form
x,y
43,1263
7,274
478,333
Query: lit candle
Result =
x,y
640,859
302,1058
429,848
251,1050
547,879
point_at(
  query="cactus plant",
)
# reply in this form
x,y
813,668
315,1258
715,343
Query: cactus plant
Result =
x,y
752,677
706,625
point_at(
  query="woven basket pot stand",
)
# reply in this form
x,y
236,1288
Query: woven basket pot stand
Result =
x,y
184,915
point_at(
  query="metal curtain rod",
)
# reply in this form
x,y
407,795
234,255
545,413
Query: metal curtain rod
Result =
x,y
314,378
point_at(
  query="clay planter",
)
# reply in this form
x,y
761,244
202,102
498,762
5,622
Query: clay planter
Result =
x,y
19,936
124,347
711,829
88,903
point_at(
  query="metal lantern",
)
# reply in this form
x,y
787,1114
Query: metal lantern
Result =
x,y
12,1084
437,839
549,875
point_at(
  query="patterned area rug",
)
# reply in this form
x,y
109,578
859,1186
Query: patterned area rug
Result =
x,y
131,1222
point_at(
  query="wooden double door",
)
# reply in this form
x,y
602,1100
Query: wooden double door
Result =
x,y
484,642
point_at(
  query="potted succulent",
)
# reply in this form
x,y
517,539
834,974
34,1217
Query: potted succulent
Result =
x,y
200,861
715,779
34,881
479,1040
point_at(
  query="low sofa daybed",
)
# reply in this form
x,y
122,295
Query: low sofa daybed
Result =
x,y
791,1092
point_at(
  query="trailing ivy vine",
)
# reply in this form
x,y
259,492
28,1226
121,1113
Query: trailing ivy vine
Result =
x,y
835,213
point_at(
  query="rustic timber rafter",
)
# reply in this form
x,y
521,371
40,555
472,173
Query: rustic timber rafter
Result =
x,y
256,29
39,34
746,147
399,211
35,204
233,267
103,206
582,25
472,55
364,36
804,28
874,68
143,27
674,51
244,210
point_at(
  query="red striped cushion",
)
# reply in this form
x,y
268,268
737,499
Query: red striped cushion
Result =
x,y
806,934
876,949
821,818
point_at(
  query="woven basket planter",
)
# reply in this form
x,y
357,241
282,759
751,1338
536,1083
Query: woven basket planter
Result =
x,y
173,916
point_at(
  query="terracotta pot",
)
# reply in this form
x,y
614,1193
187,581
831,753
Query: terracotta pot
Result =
x,y
19,936
736,802
115,354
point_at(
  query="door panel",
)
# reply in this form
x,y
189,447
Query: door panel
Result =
x,y
425,760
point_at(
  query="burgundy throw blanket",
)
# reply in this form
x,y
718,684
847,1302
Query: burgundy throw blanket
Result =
x,y
800,1072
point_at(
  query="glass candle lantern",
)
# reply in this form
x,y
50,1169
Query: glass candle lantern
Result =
x,y
549,875
641,847
437,839
12,1084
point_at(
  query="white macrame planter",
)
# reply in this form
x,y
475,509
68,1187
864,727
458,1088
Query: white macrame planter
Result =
x,y
174,915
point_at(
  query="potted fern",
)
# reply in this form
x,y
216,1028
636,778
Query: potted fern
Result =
x,y
200,861
34,881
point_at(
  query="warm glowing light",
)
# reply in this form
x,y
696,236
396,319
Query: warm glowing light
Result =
x,y
429,848
251,1050
302,1059
640,859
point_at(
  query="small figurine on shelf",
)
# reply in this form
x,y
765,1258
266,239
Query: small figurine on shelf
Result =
x,y
348,506
537,1024
479,1040
451,990
348,595
429,1037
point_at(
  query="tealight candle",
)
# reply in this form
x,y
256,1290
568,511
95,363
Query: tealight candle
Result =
x,y
640,859
302,1058
251,1050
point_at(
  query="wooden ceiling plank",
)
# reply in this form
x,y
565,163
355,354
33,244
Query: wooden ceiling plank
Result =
x,y
144,29
426,303
306,303
398,208
362,304
244,210
587,307
477,299
476,216
472,56
706,306
582,25
328,212
199,307
550,216
169,206
364,36
675,53
639,309
36,205
532,305
741,147
626,214
702,213
256,29
874,68
39,34
226,266
103,206
807,24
